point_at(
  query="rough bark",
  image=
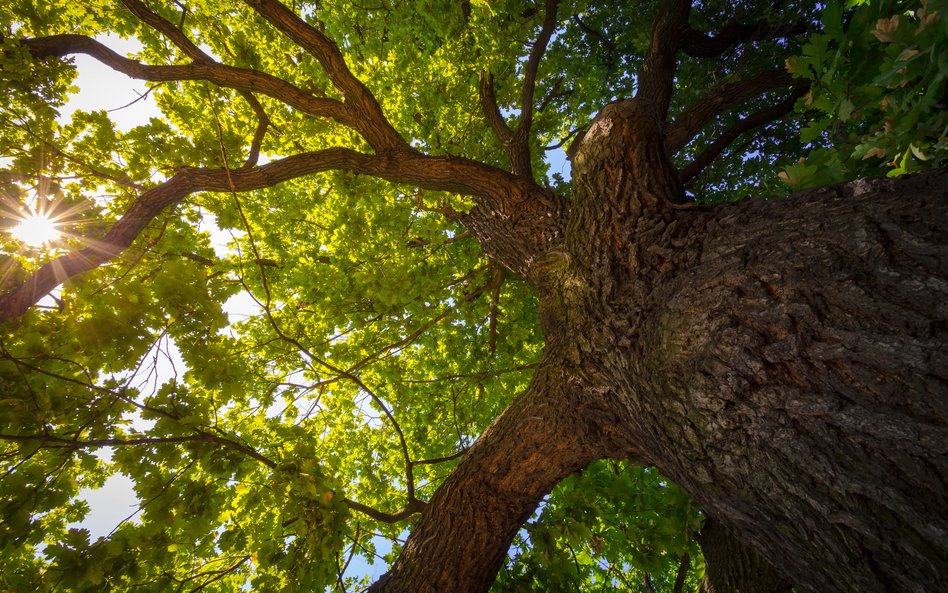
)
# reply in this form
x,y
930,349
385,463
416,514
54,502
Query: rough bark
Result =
x,y
786,363
733,567
553,429
783,361
792,374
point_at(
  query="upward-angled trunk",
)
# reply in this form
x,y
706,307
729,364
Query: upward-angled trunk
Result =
x,y
785,362
542,437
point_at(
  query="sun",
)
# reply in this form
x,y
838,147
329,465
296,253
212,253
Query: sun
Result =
x,y
36,230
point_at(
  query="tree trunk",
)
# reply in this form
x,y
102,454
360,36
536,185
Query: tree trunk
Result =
x,y
792,376
733,567
785,362
542,437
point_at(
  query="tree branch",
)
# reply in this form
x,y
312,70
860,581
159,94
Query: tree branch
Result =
x,y
533,65
263,122
682,574
444,459
414,506
166,28
516,142
657,76
491,111
504,202
719,99
241,79
498,484
713,150
372,123
701,45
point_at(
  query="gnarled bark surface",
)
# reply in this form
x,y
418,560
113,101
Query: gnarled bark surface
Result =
x,y
784,361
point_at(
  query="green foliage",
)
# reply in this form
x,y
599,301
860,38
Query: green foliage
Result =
x,y
879,75
605,530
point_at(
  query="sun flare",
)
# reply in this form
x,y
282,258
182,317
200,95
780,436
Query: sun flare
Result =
x,y
36,230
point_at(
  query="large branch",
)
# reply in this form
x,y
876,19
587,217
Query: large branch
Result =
x,y
732,565
718,100
671,32
657,76
761,118
507,204
516,142
241,79
371,123
466,530
701,45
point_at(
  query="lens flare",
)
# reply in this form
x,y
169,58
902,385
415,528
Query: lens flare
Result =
x,y
36,230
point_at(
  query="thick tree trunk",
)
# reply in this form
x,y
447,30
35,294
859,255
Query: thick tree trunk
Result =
x,y
792,376
785,362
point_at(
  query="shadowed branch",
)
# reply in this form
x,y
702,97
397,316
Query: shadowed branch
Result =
x,y
701,45
718,100
761,118
516,142
240,79
371,122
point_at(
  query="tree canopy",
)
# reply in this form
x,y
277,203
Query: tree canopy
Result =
x,y
351,152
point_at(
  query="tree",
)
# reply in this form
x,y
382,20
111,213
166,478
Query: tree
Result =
x,y
443,333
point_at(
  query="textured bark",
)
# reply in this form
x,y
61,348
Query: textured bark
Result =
x,y
784,361
553,429
733,567
793,380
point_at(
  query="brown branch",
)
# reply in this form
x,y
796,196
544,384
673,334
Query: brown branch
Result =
x,y
435,460
519,149
672,32
263,123
533,65
713,150
719,99
682,574
370,122
491,111
436,173
241,79
657,76
414,506
166,28
516,142
701,45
